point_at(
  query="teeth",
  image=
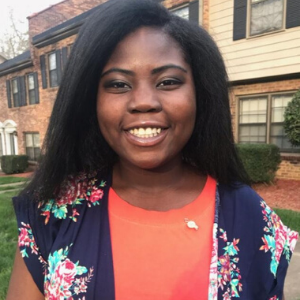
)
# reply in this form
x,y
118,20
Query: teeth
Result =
x,y
145,132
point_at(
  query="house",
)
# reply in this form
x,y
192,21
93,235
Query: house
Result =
x,y
2,58
258,39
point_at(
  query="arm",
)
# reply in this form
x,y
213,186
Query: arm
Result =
x,y
21,284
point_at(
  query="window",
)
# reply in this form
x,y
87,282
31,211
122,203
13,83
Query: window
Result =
x,y
31,86
261,120
1,150
182,12
189,11
15,93
32,142
52,69
12,143
265,16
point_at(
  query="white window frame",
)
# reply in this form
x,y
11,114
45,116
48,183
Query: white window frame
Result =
x,y
268,116
269,32
33,146
51,84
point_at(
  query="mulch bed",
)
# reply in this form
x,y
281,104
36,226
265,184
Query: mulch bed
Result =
x,y
282,193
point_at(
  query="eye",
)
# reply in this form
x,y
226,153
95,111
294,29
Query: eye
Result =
x,y
169,84
117,86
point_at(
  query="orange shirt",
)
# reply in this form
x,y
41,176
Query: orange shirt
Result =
x,y
156,255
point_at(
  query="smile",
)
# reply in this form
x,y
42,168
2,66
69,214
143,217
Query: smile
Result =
x,y
145,133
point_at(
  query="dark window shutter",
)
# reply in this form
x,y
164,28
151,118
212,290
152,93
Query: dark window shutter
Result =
x,y
194,11
239,19
8,93
18,100
22,91
43,71
292,13
64,56
58,65
36,88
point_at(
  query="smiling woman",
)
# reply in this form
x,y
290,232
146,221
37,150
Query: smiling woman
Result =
x,y
141,194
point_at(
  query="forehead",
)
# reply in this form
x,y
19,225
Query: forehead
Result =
x,y
147,45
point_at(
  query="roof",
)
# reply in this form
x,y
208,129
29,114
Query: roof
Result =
x,y
62,30
17,63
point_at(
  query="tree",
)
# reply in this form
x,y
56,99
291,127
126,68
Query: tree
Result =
x,y
292,120
14,41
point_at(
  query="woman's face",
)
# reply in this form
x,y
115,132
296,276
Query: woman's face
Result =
x,y
146,104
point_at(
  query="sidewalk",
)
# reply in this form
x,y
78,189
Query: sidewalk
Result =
x,y
292,282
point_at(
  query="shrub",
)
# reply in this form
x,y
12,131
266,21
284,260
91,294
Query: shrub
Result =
x,y
261,161
292,120
12,164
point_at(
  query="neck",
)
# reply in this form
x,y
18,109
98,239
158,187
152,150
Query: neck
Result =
x,y
167,187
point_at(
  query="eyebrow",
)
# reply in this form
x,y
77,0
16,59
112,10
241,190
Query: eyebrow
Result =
x,y
153,72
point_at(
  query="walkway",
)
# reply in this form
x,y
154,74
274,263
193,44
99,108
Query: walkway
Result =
x,y
292,282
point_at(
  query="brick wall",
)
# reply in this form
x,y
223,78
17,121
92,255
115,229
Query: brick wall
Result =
x,y
30,118
59,13
289,168
290,165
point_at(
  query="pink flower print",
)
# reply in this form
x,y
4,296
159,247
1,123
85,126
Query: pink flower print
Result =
x,y
225,268
24,239
96,194
66,271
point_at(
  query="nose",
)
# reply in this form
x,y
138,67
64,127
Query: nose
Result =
x,y
144,100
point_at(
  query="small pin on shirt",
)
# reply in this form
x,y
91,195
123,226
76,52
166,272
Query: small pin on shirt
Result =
x,y
191,224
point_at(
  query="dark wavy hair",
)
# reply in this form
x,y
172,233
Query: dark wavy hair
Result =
x,y
74,143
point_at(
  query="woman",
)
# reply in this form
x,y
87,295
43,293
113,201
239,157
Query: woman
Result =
x,y
140,134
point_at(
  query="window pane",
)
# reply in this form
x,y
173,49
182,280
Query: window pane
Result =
x,y
28,140
37,153
30,82
252,134
1,151
53,78
30,153
52,61
36,140
266,16
16,100
31,97
253,110
15,86
279,102
182,12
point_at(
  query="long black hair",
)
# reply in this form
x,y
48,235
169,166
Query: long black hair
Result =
x,y
74,143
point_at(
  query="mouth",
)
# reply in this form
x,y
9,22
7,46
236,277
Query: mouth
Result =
x,y
146,133
146,136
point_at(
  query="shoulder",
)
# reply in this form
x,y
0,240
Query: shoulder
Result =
x,y
251,213
241,198
76,191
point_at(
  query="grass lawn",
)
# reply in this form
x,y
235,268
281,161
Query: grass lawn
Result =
x,y
8,240
289,218
5,180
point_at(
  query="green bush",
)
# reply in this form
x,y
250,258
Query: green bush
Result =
x,y
261,161
292,120
12,164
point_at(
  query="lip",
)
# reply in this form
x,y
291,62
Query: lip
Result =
x,y
146,142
